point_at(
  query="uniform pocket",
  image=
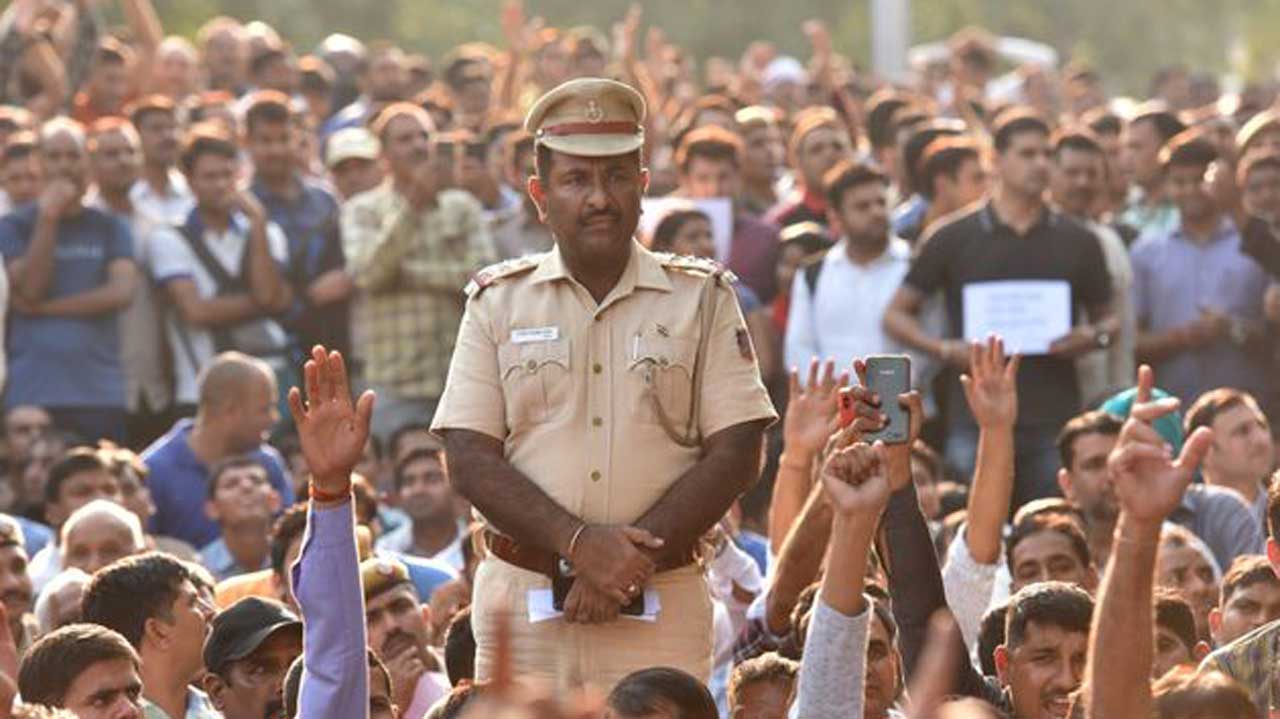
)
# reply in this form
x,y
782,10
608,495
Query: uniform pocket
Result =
x,y
535,381
662,368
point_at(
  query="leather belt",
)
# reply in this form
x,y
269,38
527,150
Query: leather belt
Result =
x,y
543,562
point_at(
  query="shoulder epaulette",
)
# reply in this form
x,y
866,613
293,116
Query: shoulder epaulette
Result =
x,y
500,271
696,265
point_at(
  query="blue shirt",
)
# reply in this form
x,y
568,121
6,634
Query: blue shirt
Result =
x,y
311,224
179,485
67,361
35,535
908,216
217,558
427,574
1174,278
326,583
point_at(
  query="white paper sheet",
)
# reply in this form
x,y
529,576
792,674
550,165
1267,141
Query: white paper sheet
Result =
x,y
542,607
719,209
1028,314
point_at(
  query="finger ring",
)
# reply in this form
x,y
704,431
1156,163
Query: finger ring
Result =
x,y
632,588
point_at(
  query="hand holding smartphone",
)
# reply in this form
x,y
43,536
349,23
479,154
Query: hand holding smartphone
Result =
x,y
887,376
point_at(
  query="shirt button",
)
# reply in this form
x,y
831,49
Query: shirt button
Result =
x,y
597,368
531,365
596,422
663,361
595,476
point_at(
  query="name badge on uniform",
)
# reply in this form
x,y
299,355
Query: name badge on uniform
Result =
x,y
534,334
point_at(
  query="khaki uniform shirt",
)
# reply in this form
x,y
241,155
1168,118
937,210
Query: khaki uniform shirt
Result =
x,y
564,382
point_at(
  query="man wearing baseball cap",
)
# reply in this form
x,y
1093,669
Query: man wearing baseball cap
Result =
x,y
603,410
352,159
249,650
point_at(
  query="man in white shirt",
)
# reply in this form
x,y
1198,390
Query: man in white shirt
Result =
x,y
161,194
837,303
422,490
221,269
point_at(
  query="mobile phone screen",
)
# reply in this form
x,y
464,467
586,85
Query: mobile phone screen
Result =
x,y
889,376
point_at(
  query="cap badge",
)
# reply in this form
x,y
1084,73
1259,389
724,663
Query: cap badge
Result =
x,y
595,113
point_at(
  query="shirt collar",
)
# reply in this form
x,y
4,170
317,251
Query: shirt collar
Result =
x,y
991,219
643,270
1225,230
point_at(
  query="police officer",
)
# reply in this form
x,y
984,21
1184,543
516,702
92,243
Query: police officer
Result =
x,y
603,410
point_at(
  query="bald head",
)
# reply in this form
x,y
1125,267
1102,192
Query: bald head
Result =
x,y
230,378
98,534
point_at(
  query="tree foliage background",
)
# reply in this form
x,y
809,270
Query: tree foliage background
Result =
x,y
1126,39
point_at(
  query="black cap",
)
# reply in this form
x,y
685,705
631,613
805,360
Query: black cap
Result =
x,y
242,627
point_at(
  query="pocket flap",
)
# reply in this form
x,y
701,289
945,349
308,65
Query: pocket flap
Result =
x,y
529,357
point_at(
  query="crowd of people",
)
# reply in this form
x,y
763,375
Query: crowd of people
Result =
x,y
352,381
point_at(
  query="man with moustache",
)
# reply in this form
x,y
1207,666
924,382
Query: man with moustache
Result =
x,y
71,271
1078,180
250,646
399,633
1012,236
16,592
161,193
116,159
604,409
410,246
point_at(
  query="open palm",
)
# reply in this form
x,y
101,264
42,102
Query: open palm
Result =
x,y
331,431
991,386
812,409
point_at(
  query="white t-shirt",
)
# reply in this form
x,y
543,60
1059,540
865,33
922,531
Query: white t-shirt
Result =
x,y
172,259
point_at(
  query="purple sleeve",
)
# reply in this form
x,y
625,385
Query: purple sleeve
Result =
x,y
326,584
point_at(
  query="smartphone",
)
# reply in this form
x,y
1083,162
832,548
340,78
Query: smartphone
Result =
x,y
889,376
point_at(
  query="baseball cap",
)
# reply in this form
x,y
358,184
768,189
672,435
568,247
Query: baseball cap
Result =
x,y
351,143
241,628
1169,427
589,117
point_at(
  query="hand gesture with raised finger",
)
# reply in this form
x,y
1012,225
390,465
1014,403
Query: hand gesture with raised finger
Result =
x,y
1149,481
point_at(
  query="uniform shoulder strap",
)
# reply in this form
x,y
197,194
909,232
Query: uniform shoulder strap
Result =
x,y
501,271
700,266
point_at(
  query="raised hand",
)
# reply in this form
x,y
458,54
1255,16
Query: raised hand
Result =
x,y
812,410
1149,482
991,386
856,479
819,38
331,430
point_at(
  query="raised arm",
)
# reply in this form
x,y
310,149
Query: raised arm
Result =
x,y
326,577
991,390
810,420
32,274
833,673
1149,484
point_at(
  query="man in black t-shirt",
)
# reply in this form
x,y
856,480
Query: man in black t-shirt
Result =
x,y
1013,236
